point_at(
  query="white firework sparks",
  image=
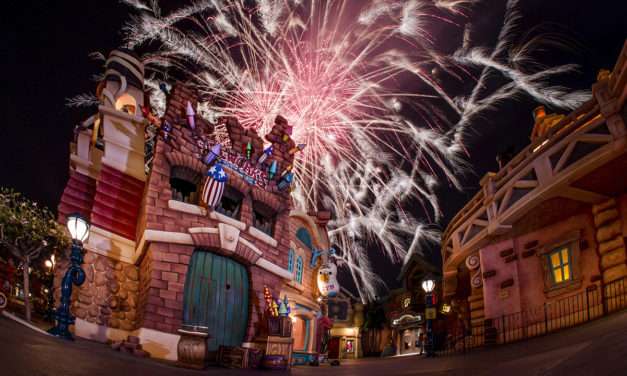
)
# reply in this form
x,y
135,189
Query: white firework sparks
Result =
x,y
355,81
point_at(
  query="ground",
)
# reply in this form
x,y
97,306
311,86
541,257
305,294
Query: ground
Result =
x,y
597,348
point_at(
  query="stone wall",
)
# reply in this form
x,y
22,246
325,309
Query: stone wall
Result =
x,y
109,295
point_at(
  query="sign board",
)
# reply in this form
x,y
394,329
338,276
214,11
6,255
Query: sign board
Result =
x,y
430,313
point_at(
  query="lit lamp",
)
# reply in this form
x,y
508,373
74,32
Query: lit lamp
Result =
x,y
428,285
79,231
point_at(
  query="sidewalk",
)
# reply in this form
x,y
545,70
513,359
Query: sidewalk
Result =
x,y
596,348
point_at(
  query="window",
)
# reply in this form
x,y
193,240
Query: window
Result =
x,y
299,270
231,203
184,184
290,260
263,218
303,235
559,264
126,103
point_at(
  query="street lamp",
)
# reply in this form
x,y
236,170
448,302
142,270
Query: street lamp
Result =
x,y
428,285
79,230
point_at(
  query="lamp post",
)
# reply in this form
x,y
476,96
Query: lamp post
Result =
x,y
428,285
79,230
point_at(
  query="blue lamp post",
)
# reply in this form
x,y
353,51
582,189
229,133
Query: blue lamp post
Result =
x,y
79,230
428,285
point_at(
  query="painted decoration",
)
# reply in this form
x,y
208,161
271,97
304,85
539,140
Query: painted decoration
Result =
x,y
214,185
216,298
473,261
327,280
476,281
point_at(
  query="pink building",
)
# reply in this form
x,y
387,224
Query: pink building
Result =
x,y
541,246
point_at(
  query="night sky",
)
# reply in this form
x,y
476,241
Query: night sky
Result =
x,y
45,47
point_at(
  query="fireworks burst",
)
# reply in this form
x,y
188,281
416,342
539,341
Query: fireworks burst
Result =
x,y
355,80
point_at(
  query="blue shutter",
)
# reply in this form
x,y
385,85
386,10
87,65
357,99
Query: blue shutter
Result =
x,y
290,260
299,270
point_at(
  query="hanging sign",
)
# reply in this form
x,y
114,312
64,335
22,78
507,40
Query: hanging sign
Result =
x,y
245,168
327,280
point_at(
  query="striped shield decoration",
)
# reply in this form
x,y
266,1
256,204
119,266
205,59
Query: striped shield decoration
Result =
x,y
214,185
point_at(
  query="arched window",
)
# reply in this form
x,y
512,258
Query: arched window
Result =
x,y
303,235
231,203
126,103
299,270
290,260
184,184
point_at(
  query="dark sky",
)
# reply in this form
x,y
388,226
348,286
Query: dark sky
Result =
x,y
44,60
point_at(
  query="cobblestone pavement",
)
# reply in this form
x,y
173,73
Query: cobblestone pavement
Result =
x,y
597,348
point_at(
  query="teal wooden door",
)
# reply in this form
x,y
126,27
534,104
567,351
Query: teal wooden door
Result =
x,y
216,299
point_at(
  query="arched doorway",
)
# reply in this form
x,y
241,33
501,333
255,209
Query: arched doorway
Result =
x,y
216,299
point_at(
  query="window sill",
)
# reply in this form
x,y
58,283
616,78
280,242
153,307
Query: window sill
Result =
x,y
563,288
260,235
295,285
226,219
187,208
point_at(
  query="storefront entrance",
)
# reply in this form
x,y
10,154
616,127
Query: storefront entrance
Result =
x,y
216,299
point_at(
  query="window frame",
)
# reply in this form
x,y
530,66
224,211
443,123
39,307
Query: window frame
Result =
x,y
290,260
298,276
183,174
571,241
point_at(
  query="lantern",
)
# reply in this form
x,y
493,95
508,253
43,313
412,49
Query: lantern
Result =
x,y
78,227
327,280
214,185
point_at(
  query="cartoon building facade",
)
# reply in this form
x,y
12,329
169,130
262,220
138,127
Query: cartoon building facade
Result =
x,y
160,263
347,313
542,244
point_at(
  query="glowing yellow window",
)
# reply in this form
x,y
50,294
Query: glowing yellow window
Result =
x,y
559,262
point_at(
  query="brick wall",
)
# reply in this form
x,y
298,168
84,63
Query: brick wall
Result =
x,y
163,268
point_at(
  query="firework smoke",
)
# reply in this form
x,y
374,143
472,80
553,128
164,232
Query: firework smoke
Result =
x,y
355,80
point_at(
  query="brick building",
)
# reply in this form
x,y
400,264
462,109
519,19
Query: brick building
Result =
x,y
160,263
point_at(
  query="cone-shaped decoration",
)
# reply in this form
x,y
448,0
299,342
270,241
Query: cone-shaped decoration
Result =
x,y
286,180
287,305
272,170
297,148
191,120
287,169
249,149
282,308
265,155
214,185
213,153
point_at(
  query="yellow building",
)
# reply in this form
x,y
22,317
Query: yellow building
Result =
x,y
347,313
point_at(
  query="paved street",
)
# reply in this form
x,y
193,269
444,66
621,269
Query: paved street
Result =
x,y
598,348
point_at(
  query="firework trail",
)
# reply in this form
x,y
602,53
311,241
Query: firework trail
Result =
x,y
356,81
